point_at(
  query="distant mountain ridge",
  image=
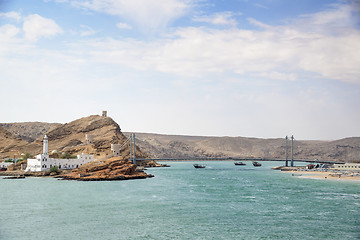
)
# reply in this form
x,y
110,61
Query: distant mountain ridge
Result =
x,y
71,137
177,146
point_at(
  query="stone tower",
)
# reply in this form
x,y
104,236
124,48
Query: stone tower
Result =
x,y
115,149
89,138
104,113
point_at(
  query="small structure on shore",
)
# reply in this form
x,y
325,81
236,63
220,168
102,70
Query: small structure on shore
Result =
x,y
5,165
347,166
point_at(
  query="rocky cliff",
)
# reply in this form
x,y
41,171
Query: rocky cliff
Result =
x,y
116,168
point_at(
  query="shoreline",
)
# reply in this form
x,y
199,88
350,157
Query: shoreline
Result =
x,y
324,175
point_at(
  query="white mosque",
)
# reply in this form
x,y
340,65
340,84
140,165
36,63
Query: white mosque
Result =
x,y
43,162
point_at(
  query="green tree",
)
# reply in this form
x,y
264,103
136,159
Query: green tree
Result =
x,y
67,155
26,156
54,169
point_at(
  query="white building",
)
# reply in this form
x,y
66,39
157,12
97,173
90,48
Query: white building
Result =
x,y
5,164
44,162
347,166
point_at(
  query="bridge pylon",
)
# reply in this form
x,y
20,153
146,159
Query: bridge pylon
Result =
x,y
132,148
292,150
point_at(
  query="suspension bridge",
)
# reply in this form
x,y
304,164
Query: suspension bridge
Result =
x,y
131,142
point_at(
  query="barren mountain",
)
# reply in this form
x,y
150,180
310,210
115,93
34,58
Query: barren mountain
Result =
x,y
70,137
173,146
28,131
9,144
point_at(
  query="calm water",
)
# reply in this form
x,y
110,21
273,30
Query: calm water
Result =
x,y
222,201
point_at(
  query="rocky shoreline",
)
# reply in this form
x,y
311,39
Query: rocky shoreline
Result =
x,y
302,172
116,168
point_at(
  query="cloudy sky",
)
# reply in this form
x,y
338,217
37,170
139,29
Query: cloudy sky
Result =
x,y
260,68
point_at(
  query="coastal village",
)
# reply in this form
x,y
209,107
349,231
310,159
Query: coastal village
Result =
x,y
113,158
93,161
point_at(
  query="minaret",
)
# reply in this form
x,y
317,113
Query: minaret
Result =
x,y
45,145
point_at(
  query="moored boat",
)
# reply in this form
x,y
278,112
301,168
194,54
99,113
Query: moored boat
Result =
x,y
199,166
15,177
256,164
239,163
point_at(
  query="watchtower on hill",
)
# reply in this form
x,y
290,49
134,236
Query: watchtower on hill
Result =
x,y
115,149
104,113
89,139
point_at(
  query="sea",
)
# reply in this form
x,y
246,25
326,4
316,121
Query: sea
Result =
x,y
221,201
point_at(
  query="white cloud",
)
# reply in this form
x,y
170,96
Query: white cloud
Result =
x,y
8,31
86,31
229,72
8,42
274,52
150,15
122,25
260,6
279,76
258,23
223,18
36,27
59,1
13,15
338,16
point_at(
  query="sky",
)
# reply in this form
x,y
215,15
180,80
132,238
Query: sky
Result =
x,y
260,68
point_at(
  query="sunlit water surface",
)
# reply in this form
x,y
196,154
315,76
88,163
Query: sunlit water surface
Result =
x,y
222,201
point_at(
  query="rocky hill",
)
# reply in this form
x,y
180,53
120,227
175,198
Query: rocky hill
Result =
x,y
11,146
70,137
29,131
173,146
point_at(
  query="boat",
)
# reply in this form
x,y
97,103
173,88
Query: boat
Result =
x,y
198,166
239,163
15,177
256,164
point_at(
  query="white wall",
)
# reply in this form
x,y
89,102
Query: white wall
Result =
x,y
5,164
348,166
42,163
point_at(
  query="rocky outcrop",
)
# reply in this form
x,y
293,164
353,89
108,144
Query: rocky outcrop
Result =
x,y
70,137
150,163
116,168
104,130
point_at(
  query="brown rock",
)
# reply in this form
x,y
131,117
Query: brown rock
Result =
x,y
116,168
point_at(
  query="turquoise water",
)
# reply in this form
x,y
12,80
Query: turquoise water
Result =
x,y
222,201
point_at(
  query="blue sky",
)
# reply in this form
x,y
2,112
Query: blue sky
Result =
x,y
263,68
